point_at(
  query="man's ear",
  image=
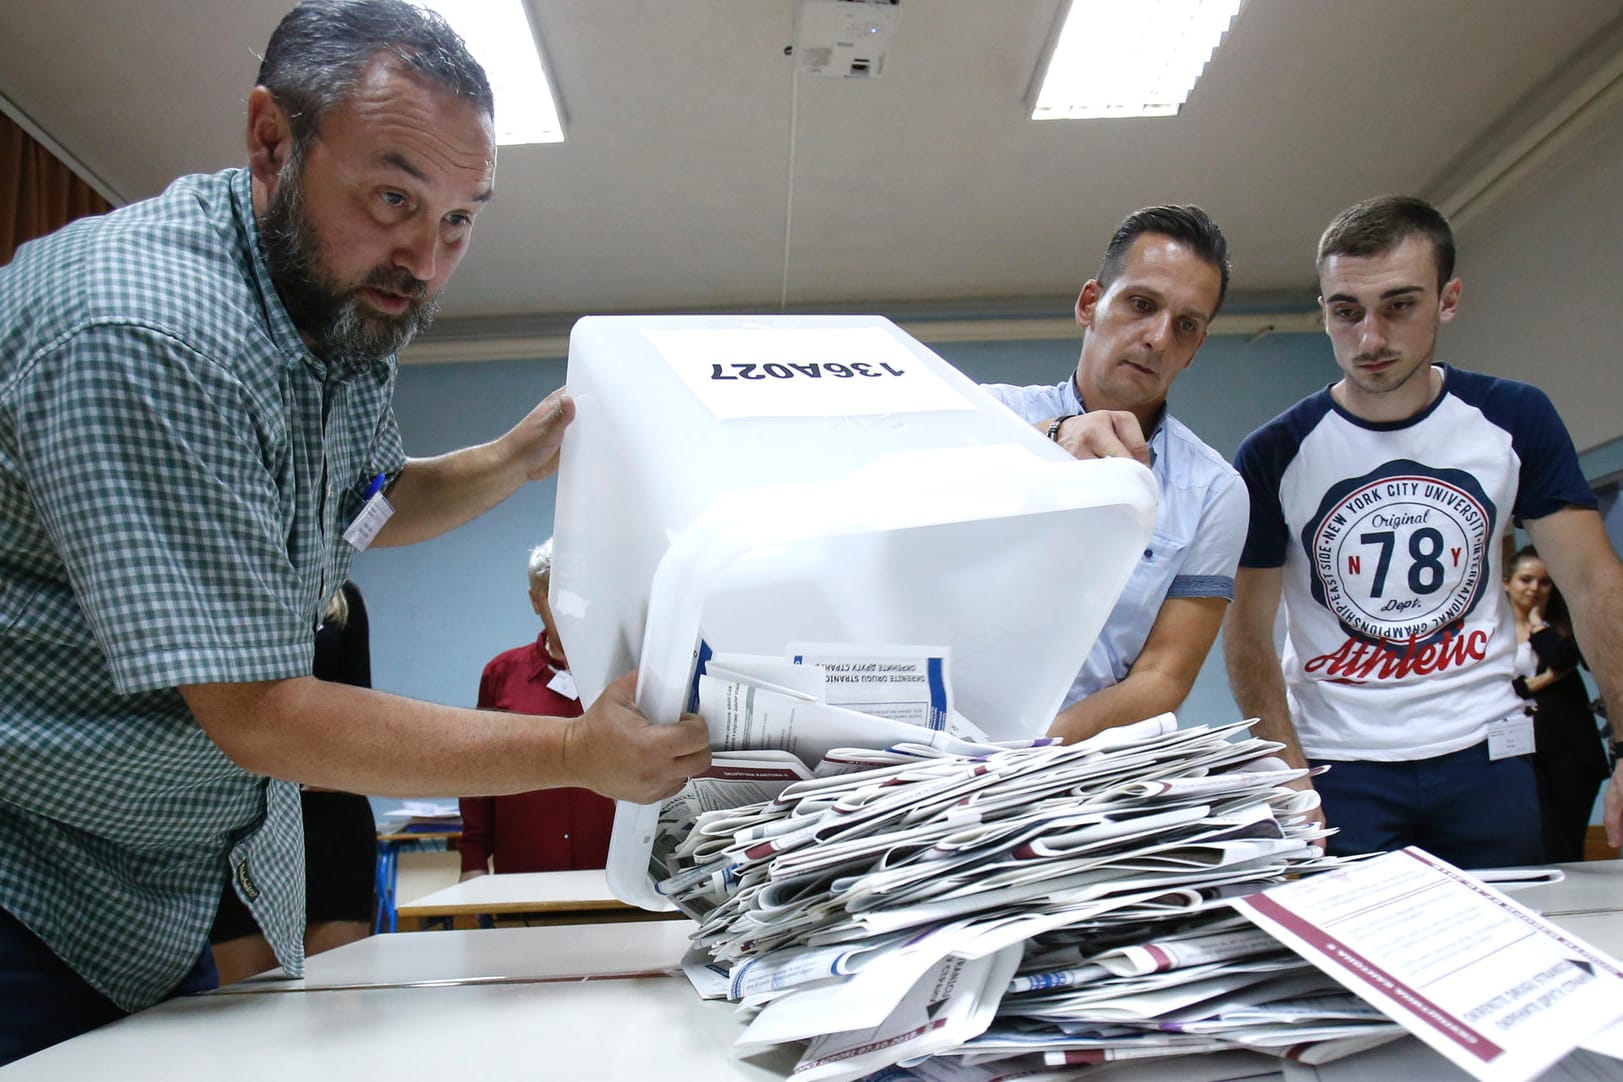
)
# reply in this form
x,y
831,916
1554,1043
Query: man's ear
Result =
x,y
1087,301
1448,304
270,137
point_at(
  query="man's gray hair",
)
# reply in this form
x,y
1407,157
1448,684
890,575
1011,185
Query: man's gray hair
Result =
x,y
540,562
322,48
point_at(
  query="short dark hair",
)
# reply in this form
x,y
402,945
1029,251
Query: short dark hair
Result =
x,y
321,49
1379,225
1188,225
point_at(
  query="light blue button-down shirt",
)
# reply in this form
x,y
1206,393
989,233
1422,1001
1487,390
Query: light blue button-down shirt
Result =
x,y
1200,526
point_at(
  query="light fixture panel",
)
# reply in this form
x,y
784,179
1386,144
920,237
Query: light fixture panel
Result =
x,y
1127,58
500,37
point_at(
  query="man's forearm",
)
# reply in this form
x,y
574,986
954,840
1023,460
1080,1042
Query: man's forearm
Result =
x,y
1160,677
368,741
1140,696
433,496
1258,685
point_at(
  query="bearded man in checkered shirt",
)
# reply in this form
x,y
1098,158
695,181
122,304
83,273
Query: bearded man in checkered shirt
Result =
x,y
194,407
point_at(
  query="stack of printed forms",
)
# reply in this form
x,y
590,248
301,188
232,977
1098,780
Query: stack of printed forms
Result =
x,y
976,910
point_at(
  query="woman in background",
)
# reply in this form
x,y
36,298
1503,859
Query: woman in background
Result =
x,y
340,833
1568,759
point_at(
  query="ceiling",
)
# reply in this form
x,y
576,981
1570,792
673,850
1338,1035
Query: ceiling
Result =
x,y
701,174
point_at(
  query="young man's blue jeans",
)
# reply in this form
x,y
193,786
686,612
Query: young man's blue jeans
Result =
x,y
43,1002
1472,811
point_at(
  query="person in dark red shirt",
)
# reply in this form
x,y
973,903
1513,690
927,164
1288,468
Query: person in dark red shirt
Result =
x,y
549,829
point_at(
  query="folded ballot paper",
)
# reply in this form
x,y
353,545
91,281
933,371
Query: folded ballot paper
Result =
x,y
774,721
951,909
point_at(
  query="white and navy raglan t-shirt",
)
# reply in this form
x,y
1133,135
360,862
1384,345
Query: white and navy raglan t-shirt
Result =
x,y
1400,642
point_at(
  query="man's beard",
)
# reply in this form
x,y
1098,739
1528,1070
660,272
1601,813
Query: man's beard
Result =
x,y
346,334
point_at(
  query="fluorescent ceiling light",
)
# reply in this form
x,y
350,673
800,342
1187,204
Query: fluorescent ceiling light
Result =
x,y
1119,58
499,35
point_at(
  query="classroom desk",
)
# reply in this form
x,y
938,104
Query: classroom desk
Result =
x,y
549,897
1594,886
1604,931
499,954
592,1029
386,873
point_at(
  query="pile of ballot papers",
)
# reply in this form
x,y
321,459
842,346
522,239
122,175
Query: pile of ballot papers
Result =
x,y
906,899
973,908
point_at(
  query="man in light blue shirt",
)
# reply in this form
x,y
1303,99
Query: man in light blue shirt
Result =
x,y
1161,283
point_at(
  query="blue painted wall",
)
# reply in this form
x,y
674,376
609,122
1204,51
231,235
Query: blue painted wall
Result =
x,y
441,609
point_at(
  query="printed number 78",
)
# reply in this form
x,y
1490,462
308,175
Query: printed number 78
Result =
x,y
1425,552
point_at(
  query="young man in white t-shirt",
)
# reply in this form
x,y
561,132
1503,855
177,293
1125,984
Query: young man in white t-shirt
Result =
x,y
1377,506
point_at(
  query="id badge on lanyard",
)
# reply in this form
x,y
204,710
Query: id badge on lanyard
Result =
x,y
1511,736
376,511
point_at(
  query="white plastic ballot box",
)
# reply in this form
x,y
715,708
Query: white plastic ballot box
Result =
x,y
756,481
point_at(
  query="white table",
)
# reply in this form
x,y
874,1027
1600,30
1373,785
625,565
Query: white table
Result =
x,y
1603,931
499,954
556,897
1594,886
506,1004
596,1029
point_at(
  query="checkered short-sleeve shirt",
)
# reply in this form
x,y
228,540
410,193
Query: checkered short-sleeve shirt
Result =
x,y
176,472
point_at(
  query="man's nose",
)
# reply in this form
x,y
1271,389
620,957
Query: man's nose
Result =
x,y
1159,332
1371,335
416,249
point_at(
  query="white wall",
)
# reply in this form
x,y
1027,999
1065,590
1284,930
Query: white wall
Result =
x,y
1542,269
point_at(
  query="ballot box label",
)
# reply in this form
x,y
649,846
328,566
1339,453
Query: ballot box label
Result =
x,y
838,371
